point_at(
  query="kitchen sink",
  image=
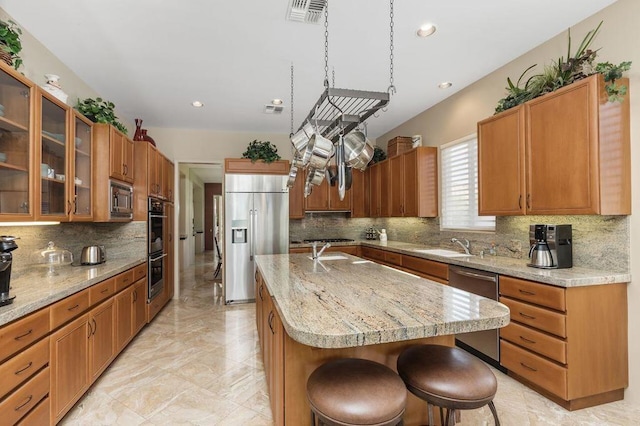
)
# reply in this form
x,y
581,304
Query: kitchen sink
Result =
x,y
331,257
442,252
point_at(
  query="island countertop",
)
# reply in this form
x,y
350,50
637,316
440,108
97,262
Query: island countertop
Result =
x,y
353,302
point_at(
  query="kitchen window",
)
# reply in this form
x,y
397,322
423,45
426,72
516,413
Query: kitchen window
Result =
x,y
459,191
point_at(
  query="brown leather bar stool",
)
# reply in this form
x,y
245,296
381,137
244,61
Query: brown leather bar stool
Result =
x,y
448,377
351,391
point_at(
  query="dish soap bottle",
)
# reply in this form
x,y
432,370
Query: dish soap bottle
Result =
x,y
383,236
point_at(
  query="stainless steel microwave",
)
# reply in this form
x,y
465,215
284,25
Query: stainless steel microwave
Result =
x,y
121,200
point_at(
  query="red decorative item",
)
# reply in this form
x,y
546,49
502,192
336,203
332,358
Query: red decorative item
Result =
x,y
147,138
137,136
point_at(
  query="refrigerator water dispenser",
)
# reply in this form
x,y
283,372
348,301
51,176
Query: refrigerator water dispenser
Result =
x,y
239,236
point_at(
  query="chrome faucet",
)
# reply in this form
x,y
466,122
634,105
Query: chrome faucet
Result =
x,y
315,254
464,245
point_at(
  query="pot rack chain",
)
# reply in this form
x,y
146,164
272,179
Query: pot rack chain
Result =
x,y
326,44
392,88
291,128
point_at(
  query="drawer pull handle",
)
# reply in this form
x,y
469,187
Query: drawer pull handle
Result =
x,y
527,316
20,407
527,367
28,366
76,306
106,290
125,280
22,336
528,340
528,293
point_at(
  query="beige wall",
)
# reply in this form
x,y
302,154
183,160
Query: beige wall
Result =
x,y
457,116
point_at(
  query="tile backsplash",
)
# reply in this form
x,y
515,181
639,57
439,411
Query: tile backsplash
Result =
x,y
598,241
120,240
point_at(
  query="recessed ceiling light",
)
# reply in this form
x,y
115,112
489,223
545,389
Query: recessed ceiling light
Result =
x,y
445,85
197,104
276,101
426,30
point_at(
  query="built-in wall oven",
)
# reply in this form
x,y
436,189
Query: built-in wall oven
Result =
x,y
484,344
156,252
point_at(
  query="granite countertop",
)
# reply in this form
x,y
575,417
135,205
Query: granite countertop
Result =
x,y
353,302
34,290
571,277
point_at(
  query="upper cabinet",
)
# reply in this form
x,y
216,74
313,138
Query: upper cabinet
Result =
x,y
16,126
168,174
120,153
567,152
325,197
360,193
81,169
52,153
296,197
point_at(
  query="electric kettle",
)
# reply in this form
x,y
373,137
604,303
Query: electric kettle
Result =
x,y
540,255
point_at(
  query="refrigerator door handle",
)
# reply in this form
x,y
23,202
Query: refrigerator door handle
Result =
x,y
251,239
254,232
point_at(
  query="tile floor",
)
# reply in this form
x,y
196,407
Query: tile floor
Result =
x,y
198,363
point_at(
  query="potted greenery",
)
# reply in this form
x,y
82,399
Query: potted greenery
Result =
x,y
378,155
259,150
10,45
100,111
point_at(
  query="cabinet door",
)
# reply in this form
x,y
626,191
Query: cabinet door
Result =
x,y
127,159
16,175
81,169
159,174
410,184
360,193
116,160
69,365
374,190
501,164
170,261
259,289
562,159
396,186
335,203
139,305
385,189
296,197
168,178
102,342
124,311
53,152
319,198
152,170
276,359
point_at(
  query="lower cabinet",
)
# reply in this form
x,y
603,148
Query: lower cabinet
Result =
x,y
124,312
430,269
69,365
344,249
102,345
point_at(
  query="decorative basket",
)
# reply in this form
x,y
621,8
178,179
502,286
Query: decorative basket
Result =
x,y
6,57
398,145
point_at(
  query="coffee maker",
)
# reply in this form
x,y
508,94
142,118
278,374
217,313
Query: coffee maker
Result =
x,y
7,245
551,246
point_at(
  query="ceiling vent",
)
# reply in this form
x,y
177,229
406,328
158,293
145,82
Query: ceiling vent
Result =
x,y
273,109
306,10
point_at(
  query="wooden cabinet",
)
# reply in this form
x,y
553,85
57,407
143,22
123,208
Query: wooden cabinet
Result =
x,y
296,197
52,151
430,269
396,184
344,249
80,174
121,157
69,360
549,343
375,190
125,309
169,240
567,152
154,178
325,197
139,305
413,184
360,203
102,348
17,166
168,184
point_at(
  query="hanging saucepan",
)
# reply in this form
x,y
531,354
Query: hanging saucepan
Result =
x,y
357,150
301,138
315,176
321,152
293,172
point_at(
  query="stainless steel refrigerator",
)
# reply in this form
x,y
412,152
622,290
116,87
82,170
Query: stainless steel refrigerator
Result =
x,y
256,218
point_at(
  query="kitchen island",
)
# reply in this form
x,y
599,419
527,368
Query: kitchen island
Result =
x,y
343,306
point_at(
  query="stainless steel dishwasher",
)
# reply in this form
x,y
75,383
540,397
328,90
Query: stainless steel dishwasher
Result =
x,y
484,344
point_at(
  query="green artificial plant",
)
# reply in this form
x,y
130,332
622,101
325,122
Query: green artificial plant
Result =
x,y
378,155
100,111
10,41
259,150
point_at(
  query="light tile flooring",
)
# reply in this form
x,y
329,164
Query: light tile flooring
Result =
x,y
198,363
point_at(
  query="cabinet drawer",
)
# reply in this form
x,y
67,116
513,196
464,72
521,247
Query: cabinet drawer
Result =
x,y
344,249
124,280
23,332
372,253
101,291
18,369
538,342
393,258
534,368
299,250
426,266
532,292
69,308
19,403
139,272
536,317
38,416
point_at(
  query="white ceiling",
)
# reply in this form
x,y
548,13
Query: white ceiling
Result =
x,y
153,58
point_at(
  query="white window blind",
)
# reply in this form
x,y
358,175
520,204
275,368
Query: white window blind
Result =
x,y
459,192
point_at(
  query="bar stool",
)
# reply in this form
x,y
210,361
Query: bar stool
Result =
x,y
448,377
351,391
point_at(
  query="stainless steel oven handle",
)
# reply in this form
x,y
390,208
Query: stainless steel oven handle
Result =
x,y
153,259
491,278
156,216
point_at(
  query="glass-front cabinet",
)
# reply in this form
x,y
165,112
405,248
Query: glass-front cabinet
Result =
x,y
81,169
16,177
52,201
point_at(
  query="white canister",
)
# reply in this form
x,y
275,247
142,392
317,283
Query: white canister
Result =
x,y
383,236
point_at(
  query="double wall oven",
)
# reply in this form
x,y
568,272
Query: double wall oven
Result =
x,y
157,255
